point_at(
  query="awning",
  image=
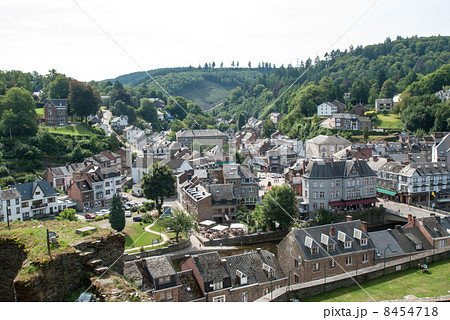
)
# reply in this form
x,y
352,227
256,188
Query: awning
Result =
x,y
388,192
219,227
361,201
207,223
239,226
337,203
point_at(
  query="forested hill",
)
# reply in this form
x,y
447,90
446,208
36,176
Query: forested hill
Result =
x,y
368,73
206,86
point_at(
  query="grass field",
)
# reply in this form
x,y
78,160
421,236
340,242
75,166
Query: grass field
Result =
x,y
74,130
136,237
390,121
39,111
395,286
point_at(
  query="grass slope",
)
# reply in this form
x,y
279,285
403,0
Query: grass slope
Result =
x,y
73,130
206,95
390,121
395,286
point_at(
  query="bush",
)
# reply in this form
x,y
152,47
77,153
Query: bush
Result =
x,y
99,218
146,218
134,209
4,171
149,205
142,209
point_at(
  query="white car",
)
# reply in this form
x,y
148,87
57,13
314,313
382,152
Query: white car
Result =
x,y
128,213
103,212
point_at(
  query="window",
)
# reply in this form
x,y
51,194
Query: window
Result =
x,y
296,279
365,258
295,263
8,203
17,201
332,264
363,242
314,206
366,181
218,285
331,247
25,204
348,261
442,243
347,244
322,194
245,296
219,299
315,184
49,111
372,180
314,250
315,195
338,194
322,206
242,190
338,183
166,296
316,267
321,184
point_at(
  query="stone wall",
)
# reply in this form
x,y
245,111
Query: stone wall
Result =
x,y
157,252
245,239
66,272
12,256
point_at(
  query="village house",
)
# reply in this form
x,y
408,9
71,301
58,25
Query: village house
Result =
x,y
327,250
238,278
326,109
56,112
347,121
10,205
275,117
437,236
206,137
245,183
382,105
339,185
440,151
323,147
119,123
358,110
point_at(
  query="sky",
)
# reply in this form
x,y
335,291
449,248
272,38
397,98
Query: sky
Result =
x,y
96,40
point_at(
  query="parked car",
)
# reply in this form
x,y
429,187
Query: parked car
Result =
x,y
90,216
138,219
126,207
125,198
128,213
103,212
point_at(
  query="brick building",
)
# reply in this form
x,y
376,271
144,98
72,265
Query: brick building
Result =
x,y
56,112
318,252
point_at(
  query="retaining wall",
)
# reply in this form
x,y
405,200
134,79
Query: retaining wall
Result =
x,y
157,252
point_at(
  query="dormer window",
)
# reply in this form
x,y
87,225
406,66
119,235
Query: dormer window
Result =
x,y
363,242
347,244
331,247
217,285
314,250
242,276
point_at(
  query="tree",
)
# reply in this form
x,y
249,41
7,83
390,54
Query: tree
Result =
x,y
18,113
268,128
148,112
117,213
388,90
59,88
83,99
158,184
180,222
114,142
67,214
360,92
366,134
324,217
279,205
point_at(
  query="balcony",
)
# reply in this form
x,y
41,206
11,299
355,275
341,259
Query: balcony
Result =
x,y
39,205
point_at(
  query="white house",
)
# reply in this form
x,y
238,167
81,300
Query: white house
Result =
x,y
39,199
130,132
119,122
326,109
10,205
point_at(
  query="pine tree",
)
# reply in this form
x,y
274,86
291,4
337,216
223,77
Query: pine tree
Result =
x,y
117,213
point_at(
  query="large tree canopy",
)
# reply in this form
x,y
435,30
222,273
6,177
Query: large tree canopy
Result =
x,y
279,205
83,99
158,184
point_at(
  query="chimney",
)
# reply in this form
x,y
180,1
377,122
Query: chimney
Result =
x,y
349,218
332,231
409,217
414,221
258,250
364,226
144,263
398,227
304,166
409,156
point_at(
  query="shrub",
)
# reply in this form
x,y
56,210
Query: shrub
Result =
x,y
4,171
134,209
149,205
142,209
146,218
99,218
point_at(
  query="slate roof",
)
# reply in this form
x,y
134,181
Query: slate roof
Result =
x,y
445,223
143,162
160,266
337,169
316,234
200,133
63,171
57,102
231,171
83,185
251,264
173,164
190,289
408,237
425,168
434,228
381,240
9,194
210,267
27,189
222,191
322,139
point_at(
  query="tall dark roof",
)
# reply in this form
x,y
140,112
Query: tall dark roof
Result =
x,y
407,238
190,289
160,266
315,233
27,189
222,192
434,227
384,239
210,267
9,194
338,169
251,265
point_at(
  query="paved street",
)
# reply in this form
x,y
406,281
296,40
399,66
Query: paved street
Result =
x,y
404,208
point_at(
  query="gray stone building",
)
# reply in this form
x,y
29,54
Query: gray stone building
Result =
x,y
339,185
323,147
206,137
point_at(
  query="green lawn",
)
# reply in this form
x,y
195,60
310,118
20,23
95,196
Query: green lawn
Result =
x,y
39,111
390,121
74,130
136,237
395,286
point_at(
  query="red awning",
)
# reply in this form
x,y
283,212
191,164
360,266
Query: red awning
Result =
x,y
337,203
361,201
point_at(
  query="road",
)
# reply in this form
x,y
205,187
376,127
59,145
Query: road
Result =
x,y
405,209
107,115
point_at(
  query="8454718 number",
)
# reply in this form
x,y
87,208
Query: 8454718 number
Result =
x,y
411,311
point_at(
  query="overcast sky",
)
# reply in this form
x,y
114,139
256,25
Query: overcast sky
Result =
x,y
45,34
